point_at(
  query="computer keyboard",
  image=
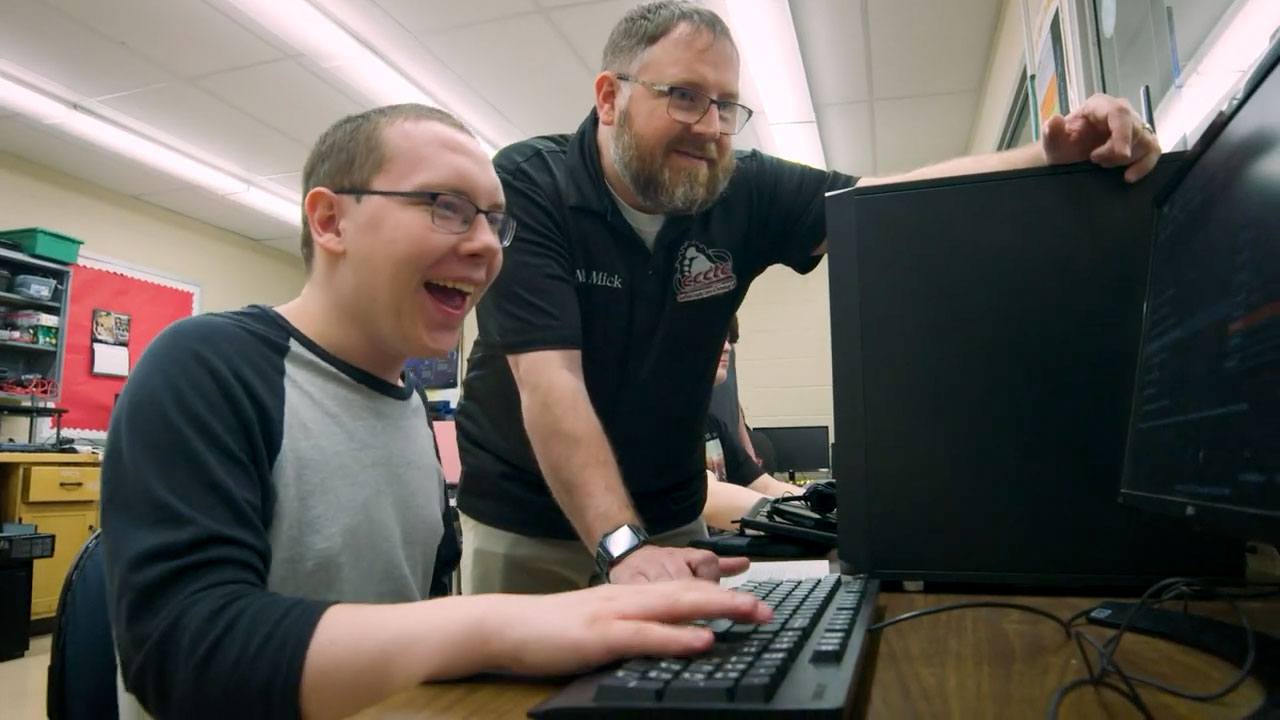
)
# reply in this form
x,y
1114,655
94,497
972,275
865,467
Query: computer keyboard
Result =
x,y
801,664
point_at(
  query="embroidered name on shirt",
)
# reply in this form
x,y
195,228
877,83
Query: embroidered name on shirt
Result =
x,y
703,272
602,279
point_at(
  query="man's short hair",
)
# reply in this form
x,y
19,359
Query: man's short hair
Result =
x,y
644,25
350,153
733,330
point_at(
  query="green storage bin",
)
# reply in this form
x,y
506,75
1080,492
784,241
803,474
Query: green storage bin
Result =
x,y
45,244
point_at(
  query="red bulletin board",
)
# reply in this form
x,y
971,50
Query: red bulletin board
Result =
x,y
153,306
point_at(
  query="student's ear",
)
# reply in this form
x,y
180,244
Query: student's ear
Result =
x,y
607,96
324,217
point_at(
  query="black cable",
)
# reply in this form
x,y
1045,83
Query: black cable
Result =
x,y
978,604
1063,691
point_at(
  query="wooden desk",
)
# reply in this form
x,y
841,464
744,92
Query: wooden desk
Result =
x,y
973,663
58,492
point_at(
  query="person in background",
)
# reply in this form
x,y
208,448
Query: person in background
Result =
x,y
588,384
273,511
725,403
734,481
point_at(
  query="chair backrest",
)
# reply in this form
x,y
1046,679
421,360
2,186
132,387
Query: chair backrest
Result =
x,y
82,665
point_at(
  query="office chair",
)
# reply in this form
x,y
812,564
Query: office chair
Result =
x,y
82,665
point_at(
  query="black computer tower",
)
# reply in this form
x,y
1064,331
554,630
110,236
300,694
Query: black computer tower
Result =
x,y
985,332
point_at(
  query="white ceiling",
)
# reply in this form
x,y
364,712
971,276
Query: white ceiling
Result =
x,y
895,83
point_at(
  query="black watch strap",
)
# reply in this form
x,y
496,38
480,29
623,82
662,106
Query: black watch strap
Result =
x,y
617,544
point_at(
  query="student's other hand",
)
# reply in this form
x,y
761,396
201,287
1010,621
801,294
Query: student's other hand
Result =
x,y
652,563
576,631
1106,130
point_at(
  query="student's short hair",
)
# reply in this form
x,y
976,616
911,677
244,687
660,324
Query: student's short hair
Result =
x,y
733,330
644,25
350,153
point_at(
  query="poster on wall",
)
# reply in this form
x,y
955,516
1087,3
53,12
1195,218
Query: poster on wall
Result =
x,y
1051,69
109,343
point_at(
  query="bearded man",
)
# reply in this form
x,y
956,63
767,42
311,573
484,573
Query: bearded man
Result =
x,y
581,422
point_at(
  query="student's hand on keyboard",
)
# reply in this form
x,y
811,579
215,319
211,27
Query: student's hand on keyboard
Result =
x,y
576,631
652,563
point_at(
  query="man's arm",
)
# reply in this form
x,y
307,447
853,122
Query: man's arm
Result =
x,y
726,503
767,484
569,442
1105,130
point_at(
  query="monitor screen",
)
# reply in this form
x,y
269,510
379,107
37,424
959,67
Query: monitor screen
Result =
x,y
799,449
438,373
1204,436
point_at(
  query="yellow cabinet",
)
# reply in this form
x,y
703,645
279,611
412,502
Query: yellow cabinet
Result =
x,y
59,495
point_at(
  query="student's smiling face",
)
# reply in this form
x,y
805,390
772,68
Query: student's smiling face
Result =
x,y
416,279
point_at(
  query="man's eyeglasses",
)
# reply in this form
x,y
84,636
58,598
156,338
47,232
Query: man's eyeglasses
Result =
x,y
450,212
689,106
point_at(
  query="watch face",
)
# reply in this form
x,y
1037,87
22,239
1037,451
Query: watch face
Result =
x,y
620,541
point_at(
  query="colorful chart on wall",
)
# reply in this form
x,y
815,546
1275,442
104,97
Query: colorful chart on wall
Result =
x,y
114,311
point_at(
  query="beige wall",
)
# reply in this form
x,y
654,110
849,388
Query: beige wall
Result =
x,y
231,270
784,353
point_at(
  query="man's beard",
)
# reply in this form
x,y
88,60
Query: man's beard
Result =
x,y
668,190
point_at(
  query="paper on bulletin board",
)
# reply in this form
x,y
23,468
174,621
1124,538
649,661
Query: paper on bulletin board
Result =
x,y
110,360
1050,55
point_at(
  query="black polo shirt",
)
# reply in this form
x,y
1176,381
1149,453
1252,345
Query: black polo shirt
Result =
x,y
650,325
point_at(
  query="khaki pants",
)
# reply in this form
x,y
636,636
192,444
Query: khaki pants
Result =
x,y
495,560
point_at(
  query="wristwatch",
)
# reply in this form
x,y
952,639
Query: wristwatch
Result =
x,y
617,544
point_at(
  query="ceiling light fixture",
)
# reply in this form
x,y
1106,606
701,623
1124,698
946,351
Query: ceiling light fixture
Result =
x,y
339,51
68,118
766,37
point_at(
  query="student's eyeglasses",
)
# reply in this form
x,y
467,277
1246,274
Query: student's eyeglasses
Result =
x,y
450,212
689,106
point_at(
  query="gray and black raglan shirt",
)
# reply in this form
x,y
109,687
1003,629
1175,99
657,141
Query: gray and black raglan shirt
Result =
x,y
251,479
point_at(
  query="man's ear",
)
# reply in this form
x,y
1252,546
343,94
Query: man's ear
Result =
x,y
607,97
324,217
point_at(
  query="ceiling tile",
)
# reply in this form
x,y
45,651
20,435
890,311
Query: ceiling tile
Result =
x,y
305,111
926,47
909,134
548,91
45,41
189,38
587,27
832,44
219,212
846,137
565,3
81,159
204,122
425,16
289,182
291,245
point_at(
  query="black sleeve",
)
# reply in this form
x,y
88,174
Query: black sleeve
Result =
x,y
186,502
792,199
449,552
739,467
533,303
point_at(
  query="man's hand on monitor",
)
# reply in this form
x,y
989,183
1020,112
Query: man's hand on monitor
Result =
x,y
652,563
1106,130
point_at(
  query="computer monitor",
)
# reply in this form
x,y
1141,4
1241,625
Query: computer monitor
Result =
x,y
799,449
438,373
984,335
1204,435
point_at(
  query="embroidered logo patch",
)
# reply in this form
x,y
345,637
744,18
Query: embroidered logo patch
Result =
x,y
703,272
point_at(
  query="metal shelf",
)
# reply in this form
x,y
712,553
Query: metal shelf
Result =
x,y
20,301
28,346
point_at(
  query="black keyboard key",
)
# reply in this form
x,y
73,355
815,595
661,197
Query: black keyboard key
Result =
x,y
740,631
615,689
754,689
827,653
702,667
699,691
640,665
720,626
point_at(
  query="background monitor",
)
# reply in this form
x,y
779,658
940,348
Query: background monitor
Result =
x,y
440,373
799,449
1204,438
